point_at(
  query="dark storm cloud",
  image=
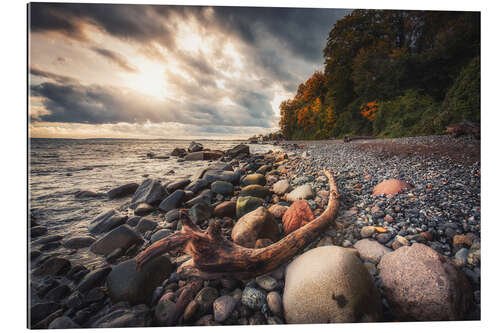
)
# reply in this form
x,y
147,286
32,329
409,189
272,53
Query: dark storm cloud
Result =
x,y
134,22
115,58
51,76
301,30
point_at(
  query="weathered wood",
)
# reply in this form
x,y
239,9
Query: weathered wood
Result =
x,y
216,257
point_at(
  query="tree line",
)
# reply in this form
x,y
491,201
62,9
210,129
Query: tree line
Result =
x,y
390,73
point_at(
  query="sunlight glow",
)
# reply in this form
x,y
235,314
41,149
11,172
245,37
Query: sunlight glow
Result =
x,y
150,80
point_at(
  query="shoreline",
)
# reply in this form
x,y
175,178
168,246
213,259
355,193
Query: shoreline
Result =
x,y
439,208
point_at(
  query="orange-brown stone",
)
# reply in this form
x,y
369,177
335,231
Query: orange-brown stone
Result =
x,y
297,215
391,186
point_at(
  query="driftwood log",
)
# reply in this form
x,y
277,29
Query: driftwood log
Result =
x,y
213,256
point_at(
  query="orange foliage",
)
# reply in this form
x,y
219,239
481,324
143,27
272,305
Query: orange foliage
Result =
x,y
369,110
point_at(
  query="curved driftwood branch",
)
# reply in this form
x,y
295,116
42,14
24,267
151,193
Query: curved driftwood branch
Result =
x,y
216,257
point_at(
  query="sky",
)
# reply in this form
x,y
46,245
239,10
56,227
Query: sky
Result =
x,y
178,72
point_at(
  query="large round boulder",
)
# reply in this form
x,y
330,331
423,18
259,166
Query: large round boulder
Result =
x,y
329,284
421,284
391,187
125,283
254,225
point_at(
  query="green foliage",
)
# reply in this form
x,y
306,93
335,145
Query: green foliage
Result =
x,y
463,100
406,62
407,115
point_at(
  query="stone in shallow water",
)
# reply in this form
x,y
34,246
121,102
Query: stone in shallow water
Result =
x,y
421,284
238,150
122,191
329,284
107,221
79,242
150,191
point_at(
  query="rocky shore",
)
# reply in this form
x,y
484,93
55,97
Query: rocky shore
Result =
x,y
405,245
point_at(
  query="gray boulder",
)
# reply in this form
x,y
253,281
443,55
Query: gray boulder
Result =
x,y
214,175
150,191
205,196
197,185
173,201
107,221
78,242
194,147
121,237
177,185
122,191
222,187
125,283
239,150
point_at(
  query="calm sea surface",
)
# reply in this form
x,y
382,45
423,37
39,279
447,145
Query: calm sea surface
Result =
x,y
58,168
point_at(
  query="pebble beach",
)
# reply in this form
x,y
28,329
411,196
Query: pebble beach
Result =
x,y
413,255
